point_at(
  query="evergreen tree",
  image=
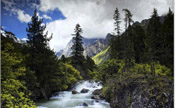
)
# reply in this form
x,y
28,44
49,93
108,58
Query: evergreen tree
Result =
x,y
90,63
37,40
138,35
63,59
128,43
168,40
117,22
36,37
154,40
41,59
77,48
115,46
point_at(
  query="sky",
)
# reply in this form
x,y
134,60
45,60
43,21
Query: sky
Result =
x,y
60,16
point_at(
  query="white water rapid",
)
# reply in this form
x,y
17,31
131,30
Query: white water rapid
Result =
x,y
66,99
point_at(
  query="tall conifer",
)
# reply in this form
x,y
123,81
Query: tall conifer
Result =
x,y
77,48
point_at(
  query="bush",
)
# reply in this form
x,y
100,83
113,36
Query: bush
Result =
x,y
15,95
70,75
154,90
108,69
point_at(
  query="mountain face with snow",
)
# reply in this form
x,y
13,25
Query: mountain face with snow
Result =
x,y
91,46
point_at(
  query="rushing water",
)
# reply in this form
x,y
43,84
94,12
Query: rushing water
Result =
x,y
66,99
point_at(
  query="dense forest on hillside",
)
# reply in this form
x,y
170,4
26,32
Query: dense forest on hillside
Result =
x,y
138,72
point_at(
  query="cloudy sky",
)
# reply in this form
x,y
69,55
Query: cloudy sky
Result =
x,y
61,16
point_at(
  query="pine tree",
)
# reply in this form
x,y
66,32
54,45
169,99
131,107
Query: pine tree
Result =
x,y
115,46
168,40
36,37
37,40
77,48
117,22
90,63
138,35
41,59
128,43
154,40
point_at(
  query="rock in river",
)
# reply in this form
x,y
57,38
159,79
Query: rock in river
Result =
x,y
84,90
96,97
97,92
84,104
74,92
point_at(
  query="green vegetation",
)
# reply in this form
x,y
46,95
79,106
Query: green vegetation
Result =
x,y
70,76
84,65
101,56
14,93
139,73
121,88
31,70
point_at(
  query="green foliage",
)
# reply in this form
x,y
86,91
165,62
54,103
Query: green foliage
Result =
x,y
14,92
15,95
152,43
117,22
168,40
82,64
154,38
42,60
108,69
72,75
101,56
32,84
138,38
77,48
11,60
10,66
121,85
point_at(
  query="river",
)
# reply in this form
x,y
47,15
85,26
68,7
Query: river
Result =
x,y
66,99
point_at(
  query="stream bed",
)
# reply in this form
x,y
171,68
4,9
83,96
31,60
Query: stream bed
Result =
x,y
66,99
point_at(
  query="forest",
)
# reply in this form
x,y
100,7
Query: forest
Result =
x,y
139,71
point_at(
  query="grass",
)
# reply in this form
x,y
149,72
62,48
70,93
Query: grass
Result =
x,y
101,56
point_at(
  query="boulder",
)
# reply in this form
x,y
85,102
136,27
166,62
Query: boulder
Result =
x,y
94,87
96,97
101,96
84,104
74,92
84,90
97,101
97,92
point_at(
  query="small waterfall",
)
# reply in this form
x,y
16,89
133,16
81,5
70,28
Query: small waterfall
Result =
x,y
66,99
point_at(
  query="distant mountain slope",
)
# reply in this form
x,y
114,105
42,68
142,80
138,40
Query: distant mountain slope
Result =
x,y
101,56
59,53
91,46
97,46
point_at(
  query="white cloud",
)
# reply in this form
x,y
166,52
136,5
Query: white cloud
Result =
x,y
23,17
95,17
34,5
24,39
3,27
47,17
8,4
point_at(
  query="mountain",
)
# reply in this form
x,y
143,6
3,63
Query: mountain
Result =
x,y
8,34
101,56
97,46
91,46
59,53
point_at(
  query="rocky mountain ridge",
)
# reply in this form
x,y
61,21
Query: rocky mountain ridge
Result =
x,y
91,46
